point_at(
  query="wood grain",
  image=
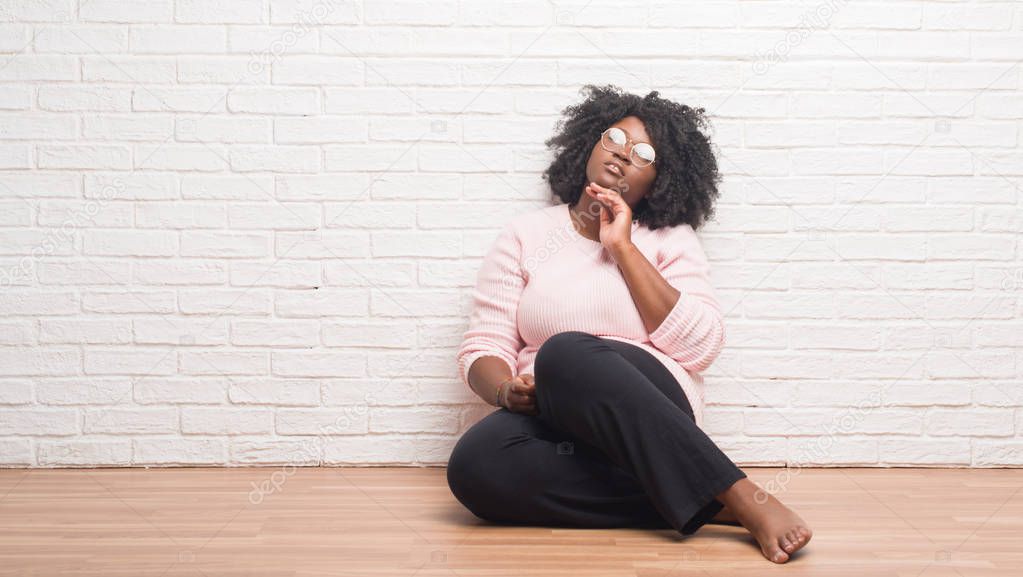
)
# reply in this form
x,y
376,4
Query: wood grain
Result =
x,y
405,522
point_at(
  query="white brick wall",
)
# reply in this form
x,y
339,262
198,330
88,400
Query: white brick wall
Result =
x,y
244,232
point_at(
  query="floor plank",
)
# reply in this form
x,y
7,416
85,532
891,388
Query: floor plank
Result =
x,y
404,522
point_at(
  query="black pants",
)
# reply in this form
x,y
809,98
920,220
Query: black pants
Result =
x,y
614,445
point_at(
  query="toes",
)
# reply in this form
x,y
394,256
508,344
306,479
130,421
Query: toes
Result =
x,y
777,555
785,543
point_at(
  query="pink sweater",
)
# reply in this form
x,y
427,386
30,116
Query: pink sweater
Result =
x,y
541,277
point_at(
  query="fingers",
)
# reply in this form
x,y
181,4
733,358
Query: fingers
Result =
x,y
599,191
610,200
524,389
598,194
522,395
524,384
598,188
521,403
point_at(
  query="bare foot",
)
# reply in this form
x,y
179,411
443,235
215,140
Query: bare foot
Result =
x,y
779,530
725,517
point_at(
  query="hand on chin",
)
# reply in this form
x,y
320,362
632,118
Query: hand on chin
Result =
x,y
615,216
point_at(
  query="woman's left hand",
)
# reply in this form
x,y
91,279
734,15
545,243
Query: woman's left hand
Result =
x,y
615,217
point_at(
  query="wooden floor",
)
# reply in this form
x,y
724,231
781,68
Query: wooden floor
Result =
x,y
392,521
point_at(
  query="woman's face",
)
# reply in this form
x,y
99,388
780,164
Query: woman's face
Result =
x,y
635,181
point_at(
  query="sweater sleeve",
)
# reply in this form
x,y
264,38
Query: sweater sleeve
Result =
x,y
693,333
493,330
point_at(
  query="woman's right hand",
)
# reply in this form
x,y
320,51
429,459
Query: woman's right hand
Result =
x,y
519,395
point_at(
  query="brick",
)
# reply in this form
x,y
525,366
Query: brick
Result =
x,y
190,390
217,421
327,423
129,361
170,451
317,364
85,453
275,334
223,362
85,331
40,362
15,392
144,302
143,421
84,391
33,421
276,392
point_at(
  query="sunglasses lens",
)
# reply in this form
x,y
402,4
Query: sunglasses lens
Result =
x,y
616,135
644,152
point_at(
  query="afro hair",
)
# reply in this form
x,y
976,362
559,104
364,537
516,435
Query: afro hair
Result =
x,y
686,186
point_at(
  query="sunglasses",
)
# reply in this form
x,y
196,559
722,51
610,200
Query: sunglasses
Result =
x,y
614,139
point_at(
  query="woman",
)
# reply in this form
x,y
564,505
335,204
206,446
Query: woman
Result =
x,y
592,322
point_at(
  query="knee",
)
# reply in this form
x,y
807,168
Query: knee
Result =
x,y
560,352
473,470
462,471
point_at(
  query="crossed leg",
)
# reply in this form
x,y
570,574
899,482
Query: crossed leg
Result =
x,y
602,415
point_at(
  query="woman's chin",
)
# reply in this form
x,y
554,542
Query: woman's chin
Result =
x,y
608,179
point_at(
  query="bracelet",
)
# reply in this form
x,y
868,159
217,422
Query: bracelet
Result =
x,y
500,388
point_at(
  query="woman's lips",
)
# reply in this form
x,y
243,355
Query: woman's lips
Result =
x,y
613,169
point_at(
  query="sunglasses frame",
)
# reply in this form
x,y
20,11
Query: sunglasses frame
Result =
x,y
628,139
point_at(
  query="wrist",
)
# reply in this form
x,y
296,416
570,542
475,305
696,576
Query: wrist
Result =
x,y
621,249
